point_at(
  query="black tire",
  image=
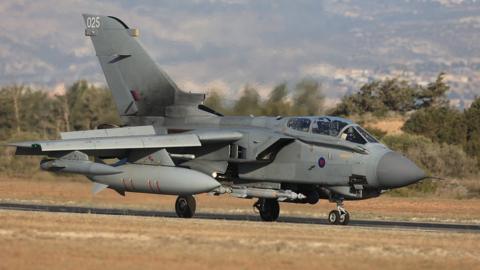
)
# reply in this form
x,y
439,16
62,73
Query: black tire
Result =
x,y
313,197
334,217
269,209
185,206
345,219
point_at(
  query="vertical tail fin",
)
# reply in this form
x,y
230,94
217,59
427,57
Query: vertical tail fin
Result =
x,y
138,86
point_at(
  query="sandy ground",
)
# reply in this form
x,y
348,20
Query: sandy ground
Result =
x,y
31,240
35,240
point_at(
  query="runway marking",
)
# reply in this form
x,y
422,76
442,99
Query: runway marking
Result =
x,y
378,224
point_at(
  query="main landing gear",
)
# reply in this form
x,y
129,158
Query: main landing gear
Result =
x,y
269,209
185,206
339,216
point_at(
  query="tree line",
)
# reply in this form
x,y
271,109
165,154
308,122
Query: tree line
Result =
x,y
25,111
28,112
32,114
427,108
394,95
305,98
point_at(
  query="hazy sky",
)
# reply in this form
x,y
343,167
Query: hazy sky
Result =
x,y
222,44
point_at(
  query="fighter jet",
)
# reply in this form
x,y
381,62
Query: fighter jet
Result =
x,y
171,143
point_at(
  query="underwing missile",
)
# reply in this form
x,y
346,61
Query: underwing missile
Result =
x,y
85,167
157,179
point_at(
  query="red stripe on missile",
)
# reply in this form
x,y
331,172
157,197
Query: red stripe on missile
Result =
x,y
158,187
131,183
150,186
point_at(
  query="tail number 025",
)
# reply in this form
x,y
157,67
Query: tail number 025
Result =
x,y
93,22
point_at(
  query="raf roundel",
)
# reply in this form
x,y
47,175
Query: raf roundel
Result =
x,y
321,162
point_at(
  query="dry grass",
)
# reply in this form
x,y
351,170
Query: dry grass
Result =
x,y
391,123
392,126
75,241
33,240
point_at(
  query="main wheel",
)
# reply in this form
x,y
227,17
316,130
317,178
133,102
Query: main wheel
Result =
x,y
185,206
269,209
344,219
334,217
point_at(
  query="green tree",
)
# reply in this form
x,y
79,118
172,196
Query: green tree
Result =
x,y
277,102
24,110
215,101
367,99
90,106
472,120
440,124
61,110
434,94
249,103
37,113
9,110
397,95
381,96
308,98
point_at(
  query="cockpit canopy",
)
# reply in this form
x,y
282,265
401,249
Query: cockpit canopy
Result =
x,y
332,126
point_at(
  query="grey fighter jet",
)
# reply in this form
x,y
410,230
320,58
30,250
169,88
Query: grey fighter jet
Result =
x,y
173,144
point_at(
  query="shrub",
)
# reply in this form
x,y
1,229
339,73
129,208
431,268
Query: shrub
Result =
x,y
441,124
441,160
378,133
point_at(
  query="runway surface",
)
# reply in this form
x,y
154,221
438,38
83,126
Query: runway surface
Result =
x,y
242,217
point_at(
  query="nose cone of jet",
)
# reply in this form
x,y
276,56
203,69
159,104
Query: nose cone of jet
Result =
x,y
395,170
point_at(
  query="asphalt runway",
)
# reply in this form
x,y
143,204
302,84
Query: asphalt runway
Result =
x,y
425,226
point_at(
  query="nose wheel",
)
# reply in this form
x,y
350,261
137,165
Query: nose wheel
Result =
x,y
269,209
185,206
340,216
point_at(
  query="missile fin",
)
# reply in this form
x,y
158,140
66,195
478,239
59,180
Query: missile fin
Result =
x,y
152,157
97,187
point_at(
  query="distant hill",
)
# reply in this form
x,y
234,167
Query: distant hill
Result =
x,y
225,44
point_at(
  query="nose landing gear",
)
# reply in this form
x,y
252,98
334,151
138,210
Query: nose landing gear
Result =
x,y
340,216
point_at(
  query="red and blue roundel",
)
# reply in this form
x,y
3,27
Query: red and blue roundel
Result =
x,y
322,162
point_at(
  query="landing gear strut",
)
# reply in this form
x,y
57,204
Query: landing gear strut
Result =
x,y
269,209
339,216
185,206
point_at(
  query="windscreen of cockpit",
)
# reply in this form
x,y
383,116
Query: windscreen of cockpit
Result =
x,y
327,126
352,135
366,135
356,134
300,124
